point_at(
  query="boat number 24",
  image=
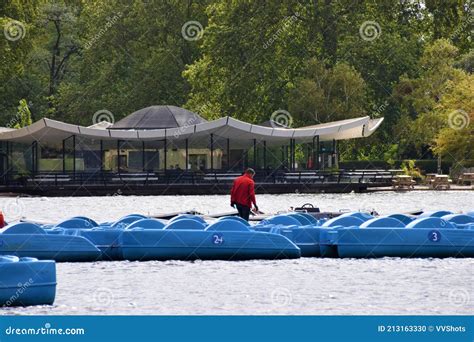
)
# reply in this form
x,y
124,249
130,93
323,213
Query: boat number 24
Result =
x,y
217,239
434,236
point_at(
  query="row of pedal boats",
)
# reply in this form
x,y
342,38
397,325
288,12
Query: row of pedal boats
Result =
x,y
290,235
27,277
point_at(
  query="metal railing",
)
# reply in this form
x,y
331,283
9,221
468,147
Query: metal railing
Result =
x,y
106,178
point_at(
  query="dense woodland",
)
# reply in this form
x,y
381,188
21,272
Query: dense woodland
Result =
x,y
408,61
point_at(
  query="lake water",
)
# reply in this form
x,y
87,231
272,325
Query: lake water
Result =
x,y
303,286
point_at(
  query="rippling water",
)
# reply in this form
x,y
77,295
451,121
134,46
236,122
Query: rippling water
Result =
x,y
303,286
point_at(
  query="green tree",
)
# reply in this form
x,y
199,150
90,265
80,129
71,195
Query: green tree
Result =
x,y
328,94
455,140
23,115
418,97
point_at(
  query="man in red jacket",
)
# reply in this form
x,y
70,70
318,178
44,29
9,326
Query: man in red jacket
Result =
x,y
242,195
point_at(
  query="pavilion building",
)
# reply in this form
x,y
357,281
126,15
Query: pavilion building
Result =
x,y
168,139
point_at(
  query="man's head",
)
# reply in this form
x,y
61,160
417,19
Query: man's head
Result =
x,y
250,172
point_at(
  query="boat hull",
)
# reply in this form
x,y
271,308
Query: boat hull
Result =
x,y
27,282
205,245
61,248
306,238
404,242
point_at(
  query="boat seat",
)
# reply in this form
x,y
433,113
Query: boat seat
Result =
x,y
234,218
188,217
401,217
284,220
310,217
227,226
127,220
359,215
458,218
344,221
24,228
431,222
185,224
147,223
301,218
383,222
439,213
91,221
75,223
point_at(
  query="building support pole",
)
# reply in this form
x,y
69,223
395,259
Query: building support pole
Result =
x,y
34,157
101,156
165,152
143,156
316,161
7,147
254,153
265,155
64,155
187,154
212,152
118,156
292,152
228,154
74,157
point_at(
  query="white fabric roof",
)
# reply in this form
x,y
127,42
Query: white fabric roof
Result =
x,y
52,131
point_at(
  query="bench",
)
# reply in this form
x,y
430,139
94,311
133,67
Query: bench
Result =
x,y
466,177
403,182
440,182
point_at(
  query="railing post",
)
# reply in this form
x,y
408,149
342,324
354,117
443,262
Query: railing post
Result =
x,y
64,155
318,166
187,155
74,157
255,153
228,154
101,156
165,151
143,156
212,152
265,155
118,156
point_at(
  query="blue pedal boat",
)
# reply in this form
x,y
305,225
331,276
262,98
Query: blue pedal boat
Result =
x,y
105,237
30,240
300,228
26,281
189,239
429,236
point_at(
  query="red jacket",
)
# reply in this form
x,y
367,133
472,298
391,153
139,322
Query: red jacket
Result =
x,y
243,191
